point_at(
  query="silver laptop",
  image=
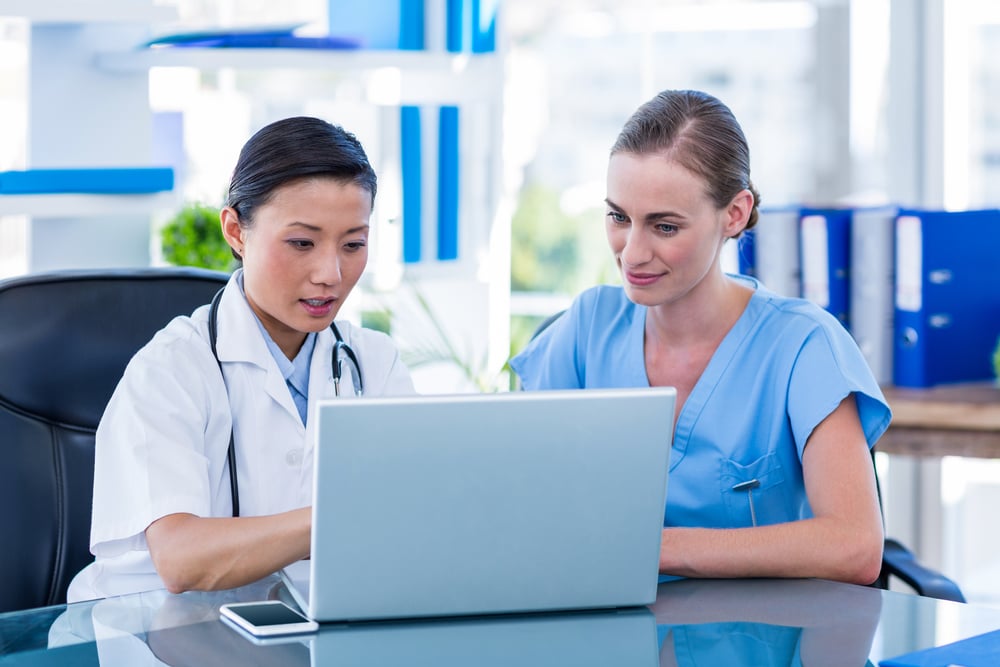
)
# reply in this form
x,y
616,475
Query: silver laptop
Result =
x,y
486,503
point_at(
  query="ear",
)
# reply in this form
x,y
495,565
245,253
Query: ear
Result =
x,y
737,213
231,229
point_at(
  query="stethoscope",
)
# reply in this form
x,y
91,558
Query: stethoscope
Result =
x,y
341,352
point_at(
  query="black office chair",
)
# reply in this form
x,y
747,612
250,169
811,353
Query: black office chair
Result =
x,y
897,560
65,339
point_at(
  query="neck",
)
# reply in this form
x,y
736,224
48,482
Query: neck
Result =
x,y
703,316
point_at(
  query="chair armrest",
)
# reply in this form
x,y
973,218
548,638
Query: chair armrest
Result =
x,y
900,562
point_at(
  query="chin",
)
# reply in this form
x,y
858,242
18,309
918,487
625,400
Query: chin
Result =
x,y
640,296
316,327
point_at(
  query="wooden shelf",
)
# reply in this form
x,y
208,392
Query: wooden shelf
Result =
x,y
967,407
950,420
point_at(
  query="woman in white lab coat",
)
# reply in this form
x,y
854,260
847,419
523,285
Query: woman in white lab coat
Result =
x,y
164,516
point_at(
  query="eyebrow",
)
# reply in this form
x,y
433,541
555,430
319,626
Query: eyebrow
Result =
x,y
316,228
658,215
312,228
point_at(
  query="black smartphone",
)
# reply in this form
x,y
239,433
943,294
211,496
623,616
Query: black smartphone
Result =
x,y
268,618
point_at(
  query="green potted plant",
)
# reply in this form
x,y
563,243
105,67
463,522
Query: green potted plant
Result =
x,y
996,362
193,237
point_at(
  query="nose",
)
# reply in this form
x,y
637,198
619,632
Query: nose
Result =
x,y
636,250
326,269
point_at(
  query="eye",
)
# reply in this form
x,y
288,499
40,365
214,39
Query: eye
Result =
x,y
617,218
355,246
667,229
300,244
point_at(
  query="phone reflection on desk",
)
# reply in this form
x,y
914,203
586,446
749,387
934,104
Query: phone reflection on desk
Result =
x,y
766,623
158,628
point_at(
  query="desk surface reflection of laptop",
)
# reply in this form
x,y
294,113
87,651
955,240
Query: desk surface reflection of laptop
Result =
x,y
486,503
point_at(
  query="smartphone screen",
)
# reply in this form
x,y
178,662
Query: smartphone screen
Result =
x,y
267,618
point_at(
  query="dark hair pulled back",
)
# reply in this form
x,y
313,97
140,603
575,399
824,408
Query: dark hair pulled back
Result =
x,y
291,149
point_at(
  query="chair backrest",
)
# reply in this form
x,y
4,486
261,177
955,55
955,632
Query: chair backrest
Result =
x,y
65,339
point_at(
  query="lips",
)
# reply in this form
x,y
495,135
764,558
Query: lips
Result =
x,y
641,279
318,307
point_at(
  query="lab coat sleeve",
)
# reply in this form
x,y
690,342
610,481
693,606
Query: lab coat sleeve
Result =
x,y
152,446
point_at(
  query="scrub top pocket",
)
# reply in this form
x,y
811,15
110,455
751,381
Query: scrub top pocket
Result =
x,y
755,491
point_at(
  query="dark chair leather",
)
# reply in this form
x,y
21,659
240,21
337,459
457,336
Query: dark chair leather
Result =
x,y
897,560
65,339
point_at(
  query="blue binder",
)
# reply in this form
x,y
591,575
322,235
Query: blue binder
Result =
x,y
947,301
274,37
979,651
872,286
746,253
771,251
825,253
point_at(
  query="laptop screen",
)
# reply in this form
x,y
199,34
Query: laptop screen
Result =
x,y
488,503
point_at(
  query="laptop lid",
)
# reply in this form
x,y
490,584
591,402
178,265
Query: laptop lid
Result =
x,y
488,503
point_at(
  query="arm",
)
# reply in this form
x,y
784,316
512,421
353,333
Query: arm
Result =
x,y
843,540
194,553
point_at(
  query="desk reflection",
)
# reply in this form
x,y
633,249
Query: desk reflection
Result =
x,y
754,623
693,623
624,637
185,630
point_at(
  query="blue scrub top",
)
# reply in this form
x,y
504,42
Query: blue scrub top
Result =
x,y
782,369
733,644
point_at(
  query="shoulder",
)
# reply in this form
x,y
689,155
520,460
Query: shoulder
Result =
x,y
367,341
603,298
185,335
383,370
176,369
177,359
602,307
796,317
823,364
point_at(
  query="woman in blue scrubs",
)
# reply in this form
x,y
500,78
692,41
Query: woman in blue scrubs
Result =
x,y
770,471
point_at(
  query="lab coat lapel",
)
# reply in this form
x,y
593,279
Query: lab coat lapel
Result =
x,y
240,341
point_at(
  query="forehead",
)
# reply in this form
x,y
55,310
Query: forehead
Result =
x,y
316,200
316,186
653,179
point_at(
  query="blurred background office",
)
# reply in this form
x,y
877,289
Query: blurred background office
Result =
x,y
844,102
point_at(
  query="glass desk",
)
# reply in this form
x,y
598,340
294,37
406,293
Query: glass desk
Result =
x,y
756,623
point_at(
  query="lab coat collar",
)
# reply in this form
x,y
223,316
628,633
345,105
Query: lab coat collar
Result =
x,y
240,340
238,336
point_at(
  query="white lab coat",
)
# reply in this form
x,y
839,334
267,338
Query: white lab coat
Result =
x,y
162,442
